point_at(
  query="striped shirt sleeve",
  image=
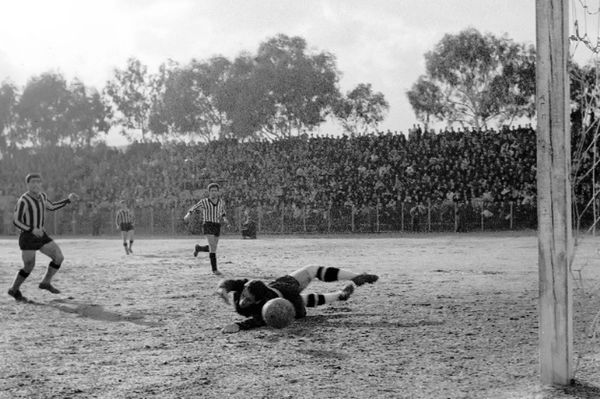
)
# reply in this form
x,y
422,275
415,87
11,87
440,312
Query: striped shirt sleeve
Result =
x,y
53,206
200,204
20,216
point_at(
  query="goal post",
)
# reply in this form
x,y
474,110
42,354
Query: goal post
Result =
x,y
555,239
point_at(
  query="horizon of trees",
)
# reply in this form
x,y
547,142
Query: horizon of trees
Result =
x,y
281,90
475,80
472,80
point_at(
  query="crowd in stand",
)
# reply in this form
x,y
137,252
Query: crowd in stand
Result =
x,y
305,171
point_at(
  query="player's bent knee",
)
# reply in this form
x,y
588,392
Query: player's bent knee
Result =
x,y
24,273
28,266
312,270
58,259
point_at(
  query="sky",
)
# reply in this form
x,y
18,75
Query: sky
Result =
x,y
381,42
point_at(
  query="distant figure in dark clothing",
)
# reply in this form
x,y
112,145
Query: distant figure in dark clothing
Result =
x,y
248,226
96,217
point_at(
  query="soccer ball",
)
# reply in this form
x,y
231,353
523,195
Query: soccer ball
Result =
x,y
278,313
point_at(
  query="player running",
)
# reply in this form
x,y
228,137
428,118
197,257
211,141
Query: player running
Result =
x,y
29,217
125,222
213,211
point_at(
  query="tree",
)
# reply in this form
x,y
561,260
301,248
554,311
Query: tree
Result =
x,y
245,99
188,101
8,114
424,97
478,79
161,120
42,110
211,78
87,114
130,94
301,88
361,109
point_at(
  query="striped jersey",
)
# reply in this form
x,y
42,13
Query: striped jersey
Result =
x,y
125,216
30,212
211,212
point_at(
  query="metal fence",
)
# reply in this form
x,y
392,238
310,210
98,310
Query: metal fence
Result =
x,y
402,217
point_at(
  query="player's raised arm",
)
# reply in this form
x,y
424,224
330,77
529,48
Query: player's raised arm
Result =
x,y
53,206
227,286
118,218
198,205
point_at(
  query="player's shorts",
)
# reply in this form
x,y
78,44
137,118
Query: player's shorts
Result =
x,y
126,226
303,277
30,242
291,280
211,228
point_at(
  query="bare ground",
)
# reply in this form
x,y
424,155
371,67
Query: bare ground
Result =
x,y
453,316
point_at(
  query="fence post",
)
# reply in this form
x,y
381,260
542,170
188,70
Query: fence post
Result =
x,y
73,223
173,221
258,227
481,214
112,217
352,218
377,216
511,214
402,216
455,217
329,218
304,218
429,215
151,220
282,216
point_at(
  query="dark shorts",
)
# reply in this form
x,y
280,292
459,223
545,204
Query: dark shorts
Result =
x,y
126,226
29,242
211,228
287,279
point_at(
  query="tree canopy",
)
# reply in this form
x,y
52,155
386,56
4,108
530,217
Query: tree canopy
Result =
x,y
475,79
284,88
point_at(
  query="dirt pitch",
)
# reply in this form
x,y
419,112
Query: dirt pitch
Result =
x,y
453,316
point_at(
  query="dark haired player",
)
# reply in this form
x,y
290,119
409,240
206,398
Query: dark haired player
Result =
x,y
213,211
29,217
125,222
249,296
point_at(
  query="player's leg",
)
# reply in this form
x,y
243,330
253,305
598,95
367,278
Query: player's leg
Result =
x,y
28,257
213,242
306,274
130,239
51,250
124,238
313,300
202,248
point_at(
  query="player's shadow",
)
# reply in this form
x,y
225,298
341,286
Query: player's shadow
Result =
x,y
369,320
97,312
